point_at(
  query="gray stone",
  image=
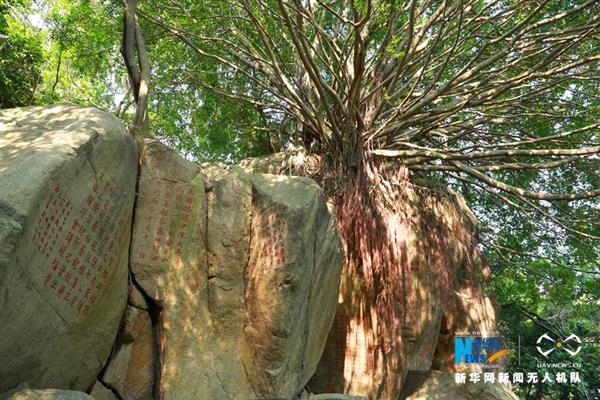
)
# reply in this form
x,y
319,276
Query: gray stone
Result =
x,y
67,183
45,394
334,396
101,392
136,298
130,372
246,271
373,344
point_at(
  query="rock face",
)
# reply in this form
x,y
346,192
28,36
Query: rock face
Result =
x,y
101,392
332,396
46,394
67,183
438,385
438,271
437,253
131,370
471,311
235,289
245,270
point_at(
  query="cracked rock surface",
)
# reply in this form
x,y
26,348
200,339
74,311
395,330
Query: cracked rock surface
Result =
x,y
245,270
211,283
65,212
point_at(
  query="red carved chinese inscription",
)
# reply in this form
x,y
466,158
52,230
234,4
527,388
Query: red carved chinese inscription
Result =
x,y
79,243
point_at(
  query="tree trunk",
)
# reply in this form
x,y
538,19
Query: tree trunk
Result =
x,y
135,55
56,78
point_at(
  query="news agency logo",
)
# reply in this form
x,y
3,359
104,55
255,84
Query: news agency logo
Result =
x,y
546,345
477,349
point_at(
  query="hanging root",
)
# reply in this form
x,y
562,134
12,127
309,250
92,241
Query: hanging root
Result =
x,y
403,244
390,230
374,285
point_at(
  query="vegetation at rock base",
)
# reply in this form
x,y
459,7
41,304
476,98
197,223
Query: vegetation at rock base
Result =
x,y
496,99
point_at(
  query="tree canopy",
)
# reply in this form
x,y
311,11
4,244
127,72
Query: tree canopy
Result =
x,y
497,99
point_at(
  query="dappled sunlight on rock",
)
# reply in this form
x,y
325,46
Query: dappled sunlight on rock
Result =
x,y
45,394
398,282
238,285
471,311
131,370
244,270
53,130
65,223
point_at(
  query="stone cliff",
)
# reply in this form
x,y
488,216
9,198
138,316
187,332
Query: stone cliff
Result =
x,y
130,273
439,274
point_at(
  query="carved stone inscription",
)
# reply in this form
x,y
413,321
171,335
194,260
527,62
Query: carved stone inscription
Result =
x,y
78,243
273,227
169,221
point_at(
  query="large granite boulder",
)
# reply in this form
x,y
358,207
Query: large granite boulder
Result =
x,y
67,183
374,343
244,270
45,394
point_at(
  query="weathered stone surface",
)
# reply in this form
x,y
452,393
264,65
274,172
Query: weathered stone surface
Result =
x,y
101,392
245,269
130,372
434,385
472,311
433,243
333,396
136,298
45,394
67,182
292,161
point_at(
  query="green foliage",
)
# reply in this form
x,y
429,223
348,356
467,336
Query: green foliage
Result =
x,y
199,123
539,298
84,65
21,59
75,56
203,107
212,129
70,53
